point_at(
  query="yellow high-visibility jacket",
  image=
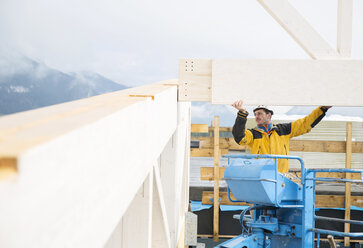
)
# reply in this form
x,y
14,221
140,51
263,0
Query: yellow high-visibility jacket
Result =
x,y
277,140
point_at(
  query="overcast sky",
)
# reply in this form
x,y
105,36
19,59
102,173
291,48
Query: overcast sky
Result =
x,y
138,42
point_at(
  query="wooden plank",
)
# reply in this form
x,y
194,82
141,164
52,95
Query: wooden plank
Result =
x,y
321,201
344,31
324,146
299,29
356,176
296,82
295,145
196,152
348,165
195,78
221,129
199,128
336,201
160,225
207,174
216,180
331,241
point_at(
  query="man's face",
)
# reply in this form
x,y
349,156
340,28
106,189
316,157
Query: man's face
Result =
x,y
262,118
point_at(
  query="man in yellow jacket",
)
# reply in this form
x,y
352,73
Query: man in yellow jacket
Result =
x,y
267,138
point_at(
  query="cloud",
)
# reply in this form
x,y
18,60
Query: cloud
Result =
x,y
136,42
12,62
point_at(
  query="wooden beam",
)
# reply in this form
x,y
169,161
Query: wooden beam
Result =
x,y
221,129
216,180
207,174
50,146
324,146
160,224
348,165
299,29
321,201
197,152
344,31
228,80
236,79
199,128
331,241
295,145
195,79
336,201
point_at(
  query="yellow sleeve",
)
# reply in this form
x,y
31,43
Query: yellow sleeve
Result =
x,y
247,139
305,124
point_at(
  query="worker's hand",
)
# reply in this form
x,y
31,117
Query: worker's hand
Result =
x,y
239,106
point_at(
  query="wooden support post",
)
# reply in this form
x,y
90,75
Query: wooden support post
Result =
x,y
331,241
211,126
348,159
216,180
344,31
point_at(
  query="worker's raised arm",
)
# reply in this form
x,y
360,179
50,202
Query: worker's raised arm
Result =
x,y
305,124
240,134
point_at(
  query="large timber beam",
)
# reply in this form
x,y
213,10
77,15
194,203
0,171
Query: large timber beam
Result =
x,y
299,29
77,168
344,31
273,82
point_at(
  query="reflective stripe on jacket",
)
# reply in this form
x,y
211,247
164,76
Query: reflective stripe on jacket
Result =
x,y
277,141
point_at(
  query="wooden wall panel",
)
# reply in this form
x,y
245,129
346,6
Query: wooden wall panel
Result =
x,y
77,166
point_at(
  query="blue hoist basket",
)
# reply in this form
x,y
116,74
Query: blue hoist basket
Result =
x,y
257,181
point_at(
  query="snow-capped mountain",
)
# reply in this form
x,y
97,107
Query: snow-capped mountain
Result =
x,y
26,84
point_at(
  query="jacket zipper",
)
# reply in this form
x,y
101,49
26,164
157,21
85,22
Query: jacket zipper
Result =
x,y
285,149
